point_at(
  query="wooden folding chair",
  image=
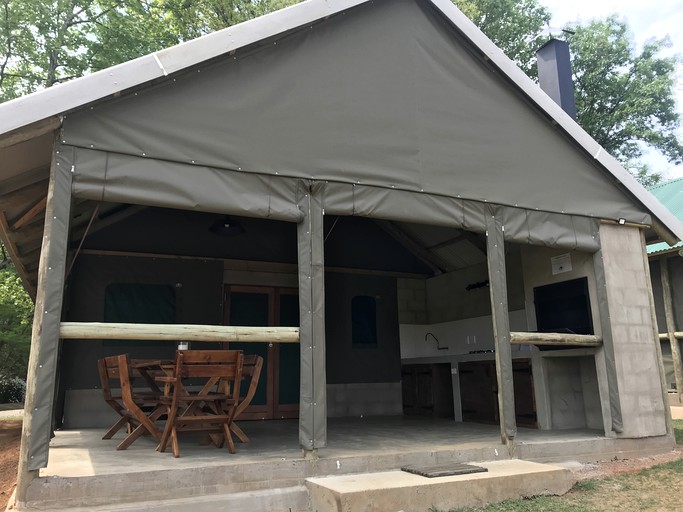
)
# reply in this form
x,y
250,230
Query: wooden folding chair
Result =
x,y
251,369
111,377
211,409
133,403
108,368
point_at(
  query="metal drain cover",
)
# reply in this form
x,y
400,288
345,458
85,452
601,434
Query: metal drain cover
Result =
x,y
446,470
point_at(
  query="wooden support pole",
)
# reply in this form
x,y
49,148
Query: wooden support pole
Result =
x,y
43,358
435,263
495,258
32,212
177,332
30,132
671,326
7,238
556,339
655,331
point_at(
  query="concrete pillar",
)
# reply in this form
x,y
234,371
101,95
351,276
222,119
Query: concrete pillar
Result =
x,y
635,363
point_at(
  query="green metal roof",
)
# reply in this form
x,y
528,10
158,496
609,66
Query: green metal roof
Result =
x,y
670,194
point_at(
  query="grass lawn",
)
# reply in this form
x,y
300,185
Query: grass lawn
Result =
x,y
657,488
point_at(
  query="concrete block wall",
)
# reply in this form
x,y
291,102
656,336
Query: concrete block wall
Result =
x,y
573,397
364,399
412,301
459,336
631,324
448,299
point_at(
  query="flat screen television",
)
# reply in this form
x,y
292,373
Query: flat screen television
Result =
x,y
564,307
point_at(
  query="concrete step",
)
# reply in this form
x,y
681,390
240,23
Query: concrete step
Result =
x,y
290,499
134,486
392,491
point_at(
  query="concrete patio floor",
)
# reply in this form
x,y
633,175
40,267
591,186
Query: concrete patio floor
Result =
x,y
84,453
85,471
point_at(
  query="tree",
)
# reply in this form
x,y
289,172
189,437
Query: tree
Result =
x,y
45,42
624,98
514,25
16,316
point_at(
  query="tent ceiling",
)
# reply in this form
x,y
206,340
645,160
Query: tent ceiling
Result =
x,y
351,242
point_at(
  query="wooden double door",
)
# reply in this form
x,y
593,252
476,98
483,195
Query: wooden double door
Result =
x,y
277,395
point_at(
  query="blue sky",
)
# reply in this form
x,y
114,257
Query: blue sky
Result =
x,y
647,20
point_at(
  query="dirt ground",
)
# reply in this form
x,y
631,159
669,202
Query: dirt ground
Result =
x,y
627,466
10,434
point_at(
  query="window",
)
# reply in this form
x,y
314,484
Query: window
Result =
x,y
364,321
140,304
564,307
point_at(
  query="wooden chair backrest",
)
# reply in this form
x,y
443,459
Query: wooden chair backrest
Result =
x,y
223,366
123,363
252,368
108,368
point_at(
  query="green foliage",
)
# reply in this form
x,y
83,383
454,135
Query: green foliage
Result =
x,y
45,42
12,390
649,489
16,316
586,485
678,431
625,99
514,25
642,172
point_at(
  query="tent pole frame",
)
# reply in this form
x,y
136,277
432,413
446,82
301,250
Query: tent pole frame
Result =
x,y
495,258
671,326
43,358
655,329
313,383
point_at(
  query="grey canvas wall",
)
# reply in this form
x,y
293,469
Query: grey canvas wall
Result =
x,y
346,364
386,95
198,301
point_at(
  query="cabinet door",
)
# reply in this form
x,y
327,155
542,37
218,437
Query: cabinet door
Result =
x,y
416,384
525,403
427,390
478,391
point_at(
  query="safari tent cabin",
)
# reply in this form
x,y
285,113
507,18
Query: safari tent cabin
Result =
x,y
449,243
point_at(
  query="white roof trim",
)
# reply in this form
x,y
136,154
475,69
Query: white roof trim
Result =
x,y
79,92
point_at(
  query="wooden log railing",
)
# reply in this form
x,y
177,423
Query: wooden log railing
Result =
x,y
556,339
665,336
177,332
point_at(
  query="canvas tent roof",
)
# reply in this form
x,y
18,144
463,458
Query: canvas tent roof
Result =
x,y
394,94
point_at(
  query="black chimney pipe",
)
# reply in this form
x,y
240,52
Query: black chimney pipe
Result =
x,y
555,74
